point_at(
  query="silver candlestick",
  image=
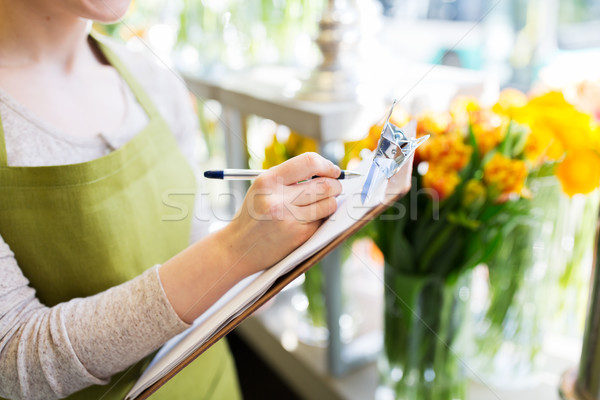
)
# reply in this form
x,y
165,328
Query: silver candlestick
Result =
x,y
334,79
583,383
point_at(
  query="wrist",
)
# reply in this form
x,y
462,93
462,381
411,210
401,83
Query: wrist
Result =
x,y
235,254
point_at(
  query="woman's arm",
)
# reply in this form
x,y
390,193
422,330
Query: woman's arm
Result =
x,y
48,353
277,215
265,229
52,352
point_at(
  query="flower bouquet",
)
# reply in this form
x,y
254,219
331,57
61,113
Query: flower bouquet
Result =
x,y
469,192
475,200
534,259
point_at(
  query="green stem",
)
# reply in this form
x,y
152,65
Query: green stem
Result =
x,y
435,247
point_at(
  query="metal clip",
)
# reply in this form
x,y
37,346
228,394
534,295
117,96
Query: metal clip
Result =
x,y
393,150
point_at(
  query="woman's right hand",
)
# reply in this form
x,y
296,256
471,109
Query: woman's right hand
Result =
x,y
279,213
281,210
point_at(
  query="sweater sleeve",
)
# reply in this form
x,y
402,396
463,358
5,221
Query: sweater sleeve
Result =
x,y
51,352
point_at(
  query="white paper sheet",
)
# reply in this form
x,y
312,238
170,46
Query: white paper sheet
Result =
x,y
245,293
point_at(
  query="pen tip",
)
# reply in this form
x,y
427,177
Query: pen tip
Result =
x,y
352,174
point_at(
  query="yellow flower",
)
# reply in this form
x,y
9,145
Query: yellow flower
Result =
x,y
542,145
461,109
352,149
556,127
510,102
278,152
400,117
504,175
275,154
551,99
442,180
579,172
540,107
571,127
297,144
474,193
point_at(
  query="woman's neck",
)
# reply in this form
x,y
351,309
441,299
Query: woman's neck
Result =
x,y
34,34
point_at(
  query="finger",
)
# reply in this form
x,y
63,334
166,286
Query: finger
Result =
x,y
309,192
316,211
304,167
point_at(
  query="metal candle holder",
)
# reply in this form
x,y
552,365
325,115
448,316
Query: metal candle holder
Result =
x,y
333,79
583,383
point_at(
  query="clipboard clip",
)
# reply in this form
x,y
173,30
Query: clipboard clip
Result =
x,y
394,148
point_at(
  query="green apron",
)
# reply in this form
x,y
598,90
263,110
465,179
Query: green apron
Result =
x,y
79,229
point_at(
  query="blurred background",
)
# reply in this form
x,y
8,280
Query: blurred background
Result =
x,y
509,91
514,39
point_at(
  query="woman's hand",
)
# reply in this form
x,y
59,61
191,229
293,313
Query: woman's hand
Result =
x,y
281,210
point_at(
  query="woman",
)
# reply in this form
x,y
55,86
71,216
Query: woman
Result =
x,y
94,270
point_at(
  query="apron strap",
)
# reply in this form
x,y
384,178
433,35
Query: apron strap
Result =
x,y
3,157
137,89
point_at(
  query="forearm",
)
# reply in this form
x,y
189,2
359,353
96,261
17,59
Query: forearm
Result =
x,y
277,215
197,277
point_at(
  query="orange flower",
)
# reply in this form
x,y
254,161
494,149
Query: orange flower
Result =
x,y
504,175
488,129
442,180
448,151
352,149
579,172
432,123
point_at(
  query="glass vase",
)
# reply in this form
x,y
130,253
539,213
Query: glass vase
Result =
x,y
423,318
507,327
516,296
507,307
312,328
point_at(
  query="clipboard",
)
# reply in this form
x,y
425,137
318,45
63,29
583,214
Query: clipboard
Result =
x,y
395,188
